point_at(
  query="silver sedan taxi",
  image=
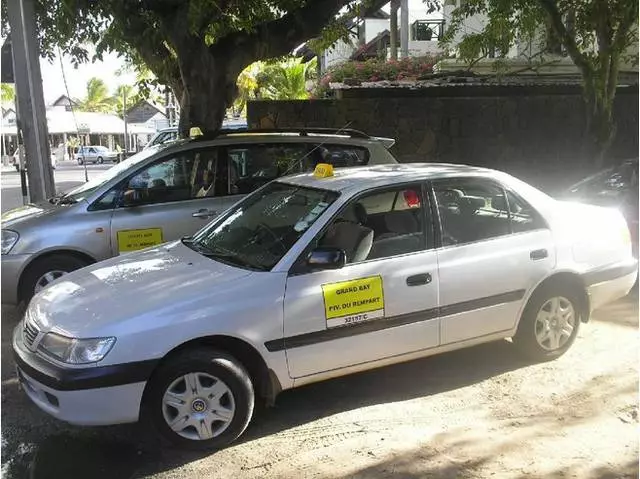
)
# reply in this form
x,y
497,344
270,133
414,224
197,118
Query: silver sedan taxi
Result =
x,y
159,195
311,277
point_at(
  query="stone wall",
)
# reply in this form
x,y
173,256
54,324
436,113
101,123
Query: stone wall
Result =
x,y
536,134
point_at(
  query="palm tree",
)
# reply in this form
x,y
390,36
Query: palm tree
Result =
x,y
286,80
247,87
8,93
98,98
118,99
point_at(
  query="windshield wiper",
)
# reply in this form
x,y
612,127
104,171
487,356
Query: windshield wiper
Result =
x,y
227,256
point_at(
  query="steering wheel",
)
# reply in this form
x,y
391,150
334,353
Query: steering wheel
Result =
x,y
278,241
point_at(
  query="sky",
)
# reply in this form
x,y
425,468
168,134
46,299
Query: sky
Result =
x,y
77,78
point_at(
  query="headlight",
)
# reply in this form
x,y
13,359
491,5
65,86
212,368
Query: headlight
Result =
x,y
9,239
76,351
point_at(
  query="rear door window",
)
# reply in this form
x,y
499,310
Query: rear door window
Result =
x,y
254,165
339,155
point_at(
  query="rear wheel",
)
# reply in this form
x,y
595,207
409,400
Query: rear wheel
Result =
x,y
80,162
100,160
550,323
46,270
200,399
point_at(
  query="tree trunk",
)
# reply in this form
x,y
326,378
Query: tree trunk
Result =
x,y
208,89
600,126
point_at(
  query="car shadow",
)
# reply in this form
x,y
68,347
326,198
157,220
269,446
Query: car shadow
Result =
x,y
128,451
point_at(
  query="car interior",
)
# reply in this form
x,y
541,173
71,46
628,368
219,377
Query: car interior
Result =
x,y
368,230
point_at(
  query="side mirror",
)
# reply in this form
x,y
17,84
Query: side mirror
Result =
x,y
132,197
327,258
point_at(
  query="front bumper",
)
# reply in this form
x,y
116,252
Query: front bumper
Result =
x,y
87,396
12,266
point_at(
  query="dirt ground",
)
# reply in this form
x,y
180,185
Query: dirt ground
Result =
x,y
477,413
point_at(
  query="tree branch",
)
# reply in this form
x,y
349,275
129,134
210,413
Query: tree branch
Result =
x,y
551,7
279,37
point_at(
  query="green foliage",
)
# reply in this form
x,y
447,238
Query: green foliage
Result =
x,y
286,80
97,98
8,93
119,106
192,46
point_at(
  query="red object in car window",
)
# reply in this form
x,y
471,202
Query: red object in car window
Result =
x,y
412,198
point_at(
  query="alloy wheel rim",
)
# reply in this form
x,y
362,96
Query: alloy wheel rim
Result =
x,y
47,278
555,323
198,406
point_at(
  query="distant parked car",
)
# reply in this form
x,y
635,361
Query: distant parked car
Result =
x,y
616,187
15,160
95,154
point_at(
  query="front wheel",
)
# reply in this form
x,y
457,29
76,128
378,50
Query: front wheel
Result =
x,y
550,323
200,399
80,162
46,270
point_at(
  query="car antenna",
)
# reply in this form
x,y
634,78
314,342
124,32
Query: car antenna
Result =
x,y
318,146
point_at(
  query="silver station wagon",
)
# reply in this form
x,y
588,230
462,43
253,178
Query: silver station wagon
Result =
x,y
161,194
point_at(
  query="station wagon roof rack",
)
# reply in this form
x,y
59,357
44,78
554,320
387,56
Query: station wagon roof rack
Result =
x,y
300,131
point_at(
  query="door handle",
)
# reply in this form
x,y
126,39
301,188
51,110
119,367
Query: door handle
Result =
x,y
419,279
204,213
538,254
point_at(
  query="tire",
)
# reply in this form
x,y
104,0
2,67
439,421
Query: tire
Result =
x,y
16,167
80,162
531,329
205,363
36,271
100,160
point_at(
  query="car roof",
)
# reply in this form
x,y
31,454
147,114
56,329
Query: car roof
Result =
x,y
366,177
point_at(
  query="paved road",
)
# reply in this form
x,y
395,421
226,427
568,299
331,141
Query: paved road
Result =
x,y
67,176
481,412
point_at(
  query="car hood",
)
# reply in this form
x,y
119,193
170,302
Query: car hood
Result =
x,y
97,298
28,212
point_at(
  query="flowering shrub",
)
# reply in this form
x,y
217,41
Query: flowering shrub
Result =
x,y
355,72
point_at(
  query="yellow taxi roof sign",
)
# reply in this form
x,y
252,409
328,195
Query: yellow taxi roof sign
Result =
x,y
323,170
195,131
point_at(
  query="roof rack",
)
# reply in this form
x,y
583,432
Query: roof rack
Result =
x,y
301,131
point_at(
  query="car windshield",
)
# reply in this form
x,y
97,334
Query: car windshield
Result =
x,y
607,184
86,189
260,230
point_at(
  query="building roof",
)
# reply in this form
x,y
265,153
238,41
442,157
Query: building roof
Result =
x,y
370,49
61,121
143,111
373,10
63,100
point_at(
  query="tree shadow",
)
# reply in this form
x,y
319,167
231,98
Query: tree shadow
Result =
x,y
623,312
79,452
58,450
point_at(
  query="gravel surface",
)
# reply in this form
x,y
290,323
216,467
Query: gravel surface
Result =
x,y
475,413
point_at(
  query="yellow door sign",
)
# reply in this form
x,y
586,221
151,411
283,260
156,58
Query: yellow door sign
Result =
x,y
353,301
131,240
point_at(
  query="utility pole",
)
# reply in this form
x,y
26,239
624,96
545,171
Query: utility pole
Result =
x,y
32,119
404,28
393,25
124,117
